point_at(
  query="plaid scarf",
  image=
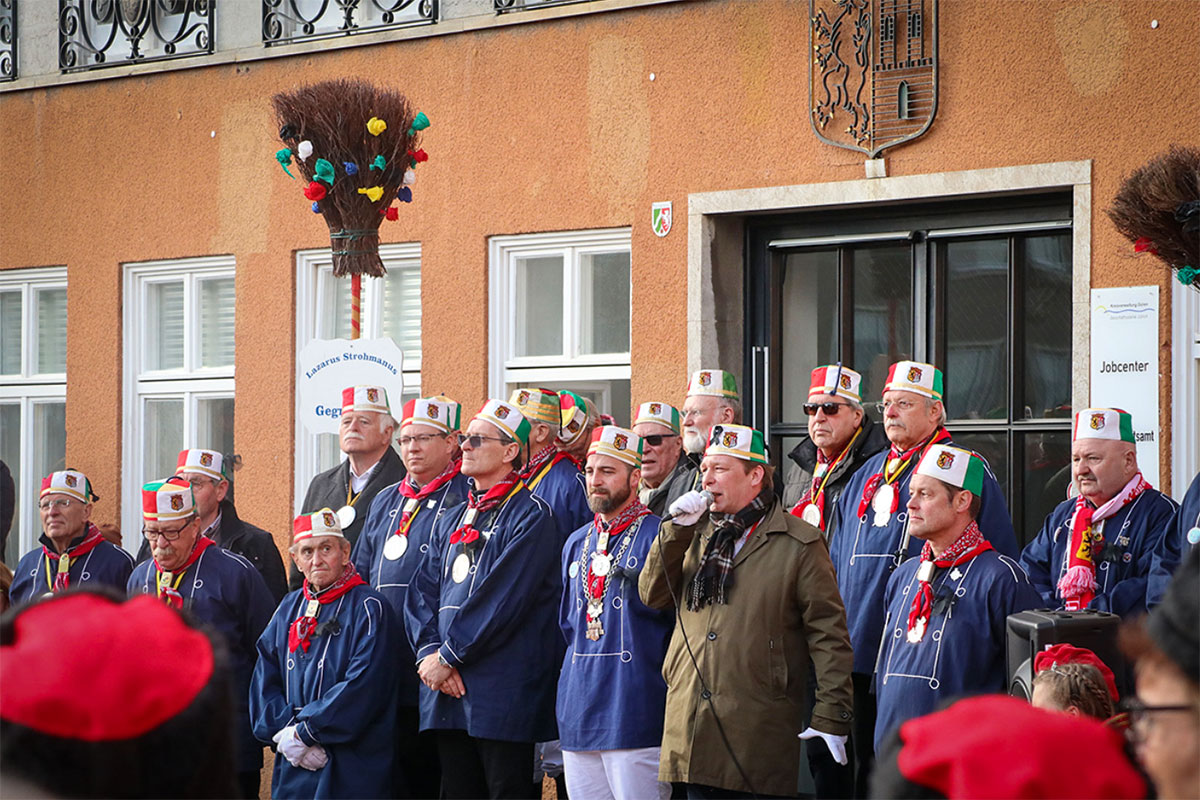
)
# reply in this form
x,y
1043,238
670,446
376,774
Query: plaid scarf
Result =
x,y
481,503
62,578
301,631
416,494
714,576
1077,586
968,545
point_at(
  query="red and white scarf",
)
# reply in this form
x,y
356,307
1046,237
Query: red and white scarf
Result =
x,y
540,462
301,631
416,494
614,528
888,475
815,494
466,533
167,581
1077,586
62,579
968,545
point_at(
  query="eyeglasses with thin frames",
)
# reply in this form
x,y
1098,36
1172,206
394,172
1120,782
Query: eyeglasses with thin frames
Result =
x,y
477,440
420,438
899,405
169,535
62,504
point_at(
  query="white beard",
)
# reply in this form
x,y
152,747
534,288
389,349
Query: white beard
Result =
x,y
693,442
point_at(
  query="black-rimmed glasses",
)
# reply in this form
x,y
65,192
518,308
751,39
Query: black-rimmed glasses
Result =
x,y
169,535
656,439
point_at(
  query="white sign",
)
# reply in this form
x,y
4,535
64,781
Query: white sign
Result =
x,y
1125,363
327,366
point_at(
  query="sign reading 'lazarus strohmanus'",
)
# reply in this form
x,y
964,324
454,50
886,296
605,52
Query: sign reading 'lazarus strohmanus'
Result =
x,y
327,366
1125,363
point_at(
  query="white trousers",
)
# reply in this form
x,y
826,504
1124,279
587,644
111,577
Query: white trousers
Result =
x,y
614,775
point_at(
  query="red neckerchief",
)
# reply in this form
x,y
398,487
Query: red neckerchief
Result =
x,y
170,594
466,532
1077,586
970,544
301,631
614,528
825,466
542,460
415,495
91,537
906,458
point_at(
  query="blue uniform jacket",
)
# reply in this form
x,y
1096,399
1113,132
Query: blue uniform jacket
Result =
x,y
611,692
340,694
104,564
1175,544
392,576
864,555
563,488
1131,539
497,627
963,649
227,592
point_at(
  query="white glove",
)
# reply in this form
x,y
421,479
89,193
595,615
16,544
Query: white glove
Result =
x,y
689,508
289,745
837,744
314,758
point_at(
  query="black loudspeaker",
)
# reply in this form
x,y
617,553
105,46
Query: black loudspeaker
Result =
x,y
1029,632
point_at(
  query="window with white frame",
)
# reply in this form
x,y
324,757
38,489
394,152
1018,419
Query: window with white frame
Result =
x,y
179,369
33,391
559,315
391,307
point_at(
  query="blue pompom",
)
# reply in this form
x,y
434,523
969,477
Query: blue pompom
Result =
x,y
316,208
351,167
405,195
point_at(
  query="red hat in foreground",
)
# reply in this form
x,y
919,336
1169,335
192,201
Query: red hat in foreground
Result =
x,y
998,746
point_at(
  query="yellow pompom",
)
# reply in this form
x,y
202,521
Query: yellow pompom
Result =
x,y
376,126
373,194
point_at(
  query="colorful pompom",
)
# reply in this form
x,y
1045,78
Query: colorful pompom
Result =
x,y
316,207
304,150
416,157
404,195
316,191
409,177
323,171
1144,245
351,167
420,122
379,163
373,193
284,157
393,213
376,126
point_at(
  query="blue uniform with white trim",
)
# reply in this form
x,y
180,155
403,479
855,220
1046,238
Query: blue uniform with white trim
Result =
x,y
105,564
562,486
225,591
611,692
962,651
391,577
497,626
1131,538
863,555
340,694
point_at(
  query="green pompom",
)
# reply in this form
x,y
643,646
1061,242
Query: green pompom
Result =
x,y
420,122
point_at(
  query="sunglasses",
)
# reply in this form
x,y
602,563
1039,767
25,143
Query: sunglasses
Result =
x,y
830,409
654,440
476,440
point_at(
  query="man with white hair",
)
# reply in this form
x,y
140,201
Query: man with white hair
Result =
x,y
659,426
712,398
365,431
324,686
1096,550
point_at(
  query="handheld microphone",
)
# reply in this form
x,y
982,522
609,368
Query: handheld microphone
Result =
x,y
708,498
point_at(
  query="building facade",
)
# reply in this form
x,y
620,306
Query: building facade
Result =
x,y
159,272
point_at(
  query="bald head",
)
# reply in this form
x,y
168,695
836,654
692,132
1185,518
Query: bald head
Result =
x,y
1100,468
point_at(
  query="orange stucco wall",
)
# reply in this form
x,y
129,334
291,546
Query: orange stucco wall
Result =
x,y
541,127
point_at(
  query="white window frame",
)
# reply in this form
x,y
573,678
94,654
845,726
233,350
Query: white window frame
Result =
x,y
29,389
505,369
1185,376
310,299
188,383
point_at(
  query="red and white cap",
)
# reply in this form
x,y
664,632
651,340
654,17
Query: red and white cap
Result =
x,y
836,381
205,462
365,398
169,499
69,482
321,523
436,412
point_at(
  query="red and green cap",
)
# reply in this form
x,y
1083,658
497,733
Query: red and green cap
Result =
x,y
620,443
508,418
659,413
436,412
915,376
1103,423
739,441
577,413
205,462
953,465
69,482
320,523
836,381
168,499
365,398
713,383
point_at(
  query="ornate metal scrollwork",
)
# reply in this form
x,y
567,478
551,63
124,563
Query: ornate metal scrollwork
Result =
x,y
286,21
8,40
506,6
97,33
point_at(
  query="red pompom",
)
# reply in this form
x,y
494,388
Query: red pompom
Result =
x,y
315,191
393,213
1144,245
418,155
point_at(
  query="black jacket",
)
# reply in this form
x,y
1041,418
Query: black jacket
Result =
x,y
328,490
656,501
802,461
248,541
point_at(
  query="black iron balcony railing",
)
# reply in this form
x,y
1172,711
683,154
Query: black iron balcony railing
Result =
x,y
286,21
507,6
106,33
8,40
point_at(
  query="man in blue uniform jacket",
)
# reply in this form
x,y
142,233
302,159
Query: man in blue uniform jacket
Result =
x,y
480,615
73,552
220,588
394,540
324,687
611,692
945,631
1181,536
870,520
1096,550
550,473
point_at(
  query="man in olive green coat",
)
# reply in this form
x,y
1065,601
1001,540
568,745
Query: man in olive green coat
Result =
x,y
757,598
